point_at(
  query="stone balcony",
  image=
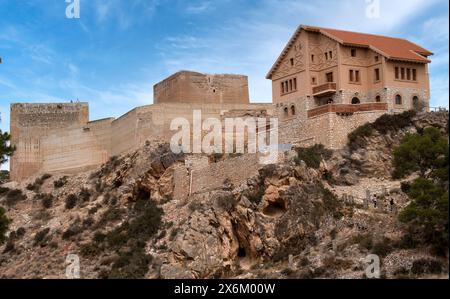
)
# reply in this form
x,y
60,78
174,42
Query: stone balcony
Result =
x,y
324,89
347,108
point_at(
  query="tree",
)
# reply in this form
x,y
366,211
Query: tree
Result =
x,y
4,223
427,214
6,150
425,152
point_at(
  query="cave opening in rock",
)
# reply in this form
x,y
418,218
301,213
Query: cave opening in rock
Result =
x,y
142,194
241,252
275,208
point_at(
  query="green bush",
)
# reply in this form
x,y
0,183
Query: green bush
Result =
x,y
384,124
71,201
421,152
4,224
313,155
40,237
426,216
60,182
394,122
426,266
85,194
14,196
4,190
382,248
45,199
36,186
356,139
364,241
225,201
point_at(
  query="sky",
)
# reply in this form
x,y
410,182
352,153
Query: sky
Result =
x,y
113,54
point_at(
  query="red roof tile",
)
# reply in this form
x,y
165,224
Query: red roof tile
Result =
x,y
390,47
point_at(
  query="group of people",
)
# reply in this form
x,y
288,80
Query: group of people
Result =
x,y
390,199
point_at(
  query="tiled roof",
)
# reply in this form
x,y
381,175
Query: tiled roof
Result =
x,y
390,47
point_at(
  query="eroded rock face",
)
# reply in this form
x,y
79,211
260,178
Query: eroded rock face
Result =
x,y
217,234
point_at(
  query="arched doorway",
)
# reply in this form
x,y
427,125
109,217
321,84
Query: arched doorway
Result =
x,y
378,99
416,103
355,101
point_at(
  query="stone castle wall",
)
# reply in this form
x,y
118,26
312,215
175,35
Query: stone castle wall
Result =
x,y
193,87
59,137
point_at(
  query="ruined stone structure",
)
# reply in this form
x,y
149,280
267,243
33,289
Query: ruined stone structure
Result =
x,y
326,83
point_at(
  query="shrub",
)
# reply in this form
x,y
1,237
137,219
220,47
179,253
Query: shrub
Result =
x,y
45,199
426,216
40,237
331,203
256,196
421,152
20,232
85,194
13,196
3,190
194,206
4,224
394,122
364,241
225,200
313,155
382,248
267,171
60,182
426,266
73,230
110,215
384,124
71,201
36,186
356,139
132,264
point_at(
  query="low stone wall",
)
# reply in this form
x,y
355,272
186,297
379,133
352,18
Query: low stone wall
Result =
x,y
235,170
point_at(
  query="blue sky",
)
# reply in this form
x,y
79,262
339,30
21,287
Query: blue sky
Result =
x,y
118,49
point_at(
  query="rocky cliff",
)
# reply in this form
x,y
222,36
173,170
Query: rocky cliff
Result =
x,y
289,221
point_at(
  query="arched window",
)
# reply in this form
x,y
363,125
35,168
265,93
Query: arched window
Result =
x,y
355,101
378,99
398,99
416,103
286,112
293,110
